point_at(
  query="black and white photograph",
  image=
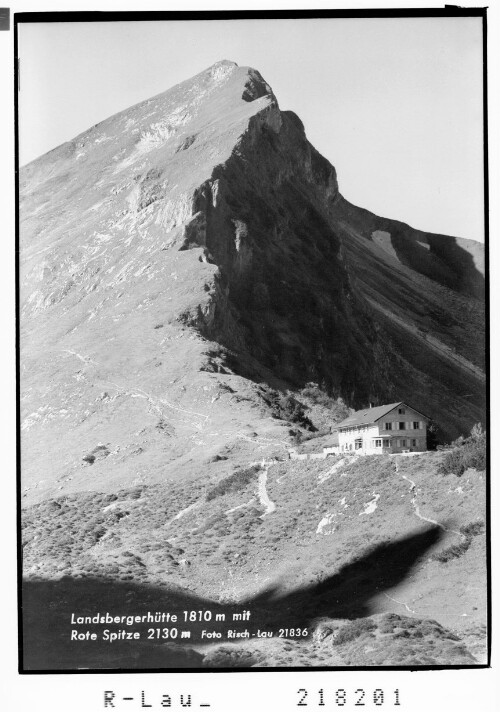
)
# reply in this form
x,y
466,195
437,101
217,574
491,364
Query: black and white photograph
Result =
x,y
253,366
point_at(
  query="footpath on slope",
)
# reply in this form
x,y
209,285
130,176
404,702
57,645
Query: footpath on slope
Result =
x,y
416,508
263,496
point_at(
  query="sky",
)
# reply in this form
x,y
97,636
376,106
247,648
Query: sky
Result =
x,y
394,104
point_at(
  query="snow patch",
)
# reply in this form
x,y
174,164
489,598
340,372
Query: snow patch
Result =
x,y
324,476
263,496
371,506
240,506
383,240
327,521
184,511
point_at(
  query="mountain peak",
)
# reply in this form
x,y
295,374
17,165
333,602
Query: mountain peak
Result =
x,y
224,63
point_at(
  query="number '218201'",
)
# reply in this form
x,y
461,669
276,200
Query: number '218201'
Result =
x,y
354,698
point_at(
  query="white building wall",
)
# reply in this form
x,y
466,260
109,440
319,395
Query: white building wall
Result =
x,y
406,438
347,439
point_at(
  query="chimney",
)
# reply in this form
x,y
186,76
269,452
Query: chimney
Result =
x,y
371,405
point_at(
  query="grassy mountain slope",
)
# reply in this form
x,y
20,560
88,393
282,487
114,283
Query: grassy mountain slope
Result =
x,y
343,540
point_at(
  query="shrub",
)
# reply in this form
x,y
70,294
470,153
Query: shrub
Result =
x,y
461,459
235,482
318,396
455,551
473,528
285,407
467,453
353,629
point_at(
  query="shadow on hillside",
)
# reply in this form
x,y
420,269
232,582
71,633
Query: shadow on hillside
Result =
x,y
442,258
48,607
445,262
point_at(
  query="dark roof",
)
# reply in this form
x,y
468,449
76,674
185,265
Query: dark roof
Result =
x,y
371,415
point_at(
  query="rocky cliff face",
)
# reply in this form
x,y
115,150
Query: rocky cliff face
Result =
x,y
195,245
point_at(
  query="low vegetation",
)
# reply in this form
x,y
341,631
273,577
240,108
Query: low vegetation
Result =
x,y
467,453
378,640
455,551
323,409
393,639
233,483
337,407
340,517
286,407
353,629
